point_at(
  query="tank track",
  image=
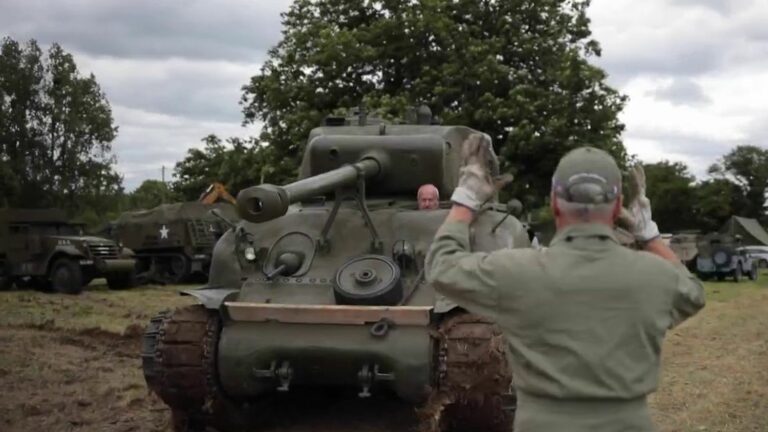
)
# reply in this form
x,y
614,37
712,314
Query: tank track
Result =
x,y
178,360
474,386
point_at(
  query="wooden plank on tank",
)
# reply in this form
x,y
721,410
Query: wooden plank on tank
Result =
x,y
328,314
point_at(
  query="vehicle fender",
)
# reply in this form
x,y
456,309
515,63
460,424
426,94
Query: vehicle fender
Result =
x,y
65,250
60,251
212,297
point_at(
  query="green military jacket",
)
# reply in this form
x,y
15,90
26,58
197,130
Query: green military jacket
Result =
x,y
584,319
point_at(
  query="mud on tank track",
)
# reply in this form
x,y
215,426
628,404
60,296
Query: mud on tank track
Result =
x,y
179,352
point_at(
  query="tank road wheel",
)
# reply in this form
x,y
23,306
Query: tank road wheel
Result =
x,y
66,276
179,268
179,364
474,386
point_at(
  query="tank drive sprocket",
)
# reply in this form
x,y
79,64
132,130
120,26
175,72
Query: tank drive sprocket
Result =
x,y
474,386
178,360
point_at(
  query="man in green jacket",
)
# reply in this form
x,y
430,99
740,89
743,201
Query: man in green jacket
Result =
x,y
585,318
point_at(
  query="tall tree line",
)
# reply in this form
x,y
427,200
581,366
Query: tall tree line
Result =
x,y
519,70
516,69
56,130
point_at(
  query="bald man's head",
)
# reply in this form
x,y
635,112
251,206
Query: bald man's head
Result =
x,y
428,197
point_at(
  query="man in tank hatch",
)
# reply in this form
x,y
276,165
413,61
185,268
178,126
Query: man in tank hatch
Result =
x,y
428,197
584,320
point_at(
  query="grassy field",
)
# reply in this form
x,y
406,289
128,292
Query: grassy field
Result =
x,y
715,366
70,363
97,307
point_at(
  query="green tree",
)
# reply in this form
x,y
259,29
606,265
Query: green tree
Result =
x,y
716,201
237,164
517,70
672,194
151,193
747,166
56,130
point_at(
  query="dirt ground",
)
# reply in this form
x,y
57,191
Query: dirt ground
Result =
x,y
71,363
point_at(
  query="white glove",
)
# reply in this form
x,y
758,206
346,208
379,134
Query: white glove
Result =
x,y
643,227
475,183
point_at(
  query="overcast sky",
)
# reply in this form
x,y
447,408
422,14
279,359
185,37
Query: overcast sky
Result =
x,y
696,71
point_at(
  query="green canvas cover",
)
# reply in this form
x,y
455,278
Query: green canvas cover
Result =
x,y
750,230
185,211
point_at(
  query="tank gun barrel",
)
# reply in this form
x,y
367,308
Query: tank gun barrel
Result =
x,y
266,202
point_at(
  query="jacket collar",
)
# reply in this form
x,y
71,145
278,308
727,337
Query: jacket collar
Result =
x,y
595,230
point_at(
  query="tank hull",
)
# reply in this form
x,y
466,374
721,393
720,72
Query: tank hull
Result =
x,y
251,354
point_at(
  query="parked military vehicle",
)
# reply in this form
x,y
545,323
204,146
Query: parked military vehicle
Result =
x,y
322,285
758,253
685,246
172,242
719,256
40,248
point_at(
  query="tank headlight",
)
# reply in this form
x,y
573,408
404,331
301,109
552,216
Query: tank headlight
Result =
x,y
250,253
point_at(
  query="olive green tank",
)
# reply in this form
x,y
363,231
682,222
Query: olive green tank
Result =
x,y
321,285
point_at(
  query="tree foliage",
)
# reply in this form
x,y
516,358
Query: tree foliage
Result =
x,y
237,164
56,130
517,70
747,166
673,195
151,193
716,201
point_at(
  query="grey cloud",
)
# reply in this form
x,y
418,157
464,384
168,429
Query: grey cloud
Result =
x,y
688,58
693,44
203,90
682,91
698,152
757,132
237,30
680,142
720,6
148,141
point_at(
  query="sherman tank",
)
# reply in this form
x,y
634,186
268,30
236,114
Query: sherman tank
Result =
x,y
321,285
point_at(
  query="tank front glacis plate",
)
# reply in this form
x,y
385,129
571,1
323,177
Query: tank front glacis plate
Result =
x,y
323,355
349,238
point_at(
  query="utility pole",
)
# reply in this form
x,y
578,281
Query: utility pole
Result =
x,y
162,198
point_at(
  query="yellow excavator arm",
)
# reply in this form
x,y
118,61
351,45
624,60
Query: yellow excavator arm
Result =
x,y
215,192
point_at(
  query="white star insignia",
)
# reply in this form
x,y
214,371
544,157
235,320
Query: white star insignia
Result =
x,y
164,232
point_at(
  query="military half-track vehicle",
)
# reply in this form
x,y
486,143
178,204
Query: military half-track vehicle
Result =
x,y
40,248
322,285
719,256
172,242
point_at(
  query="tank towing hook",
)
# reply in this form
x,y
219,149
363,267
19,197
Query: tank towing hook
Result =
x,y
284,374
366,377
